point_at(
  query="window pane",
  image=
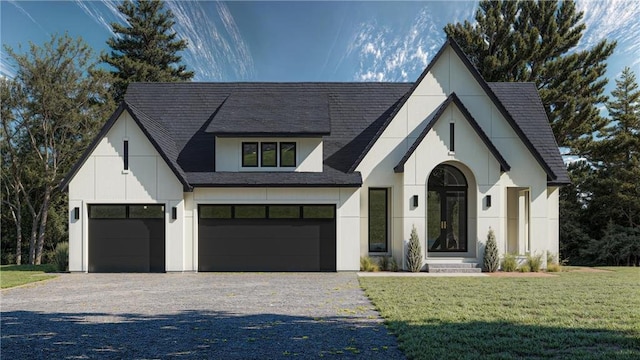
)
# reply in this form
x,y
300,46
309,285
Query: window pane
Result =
x,y
146,212
250,212
108,211
284,212
215,212
377,220
434,218
250,154
268,154
288,154
318,212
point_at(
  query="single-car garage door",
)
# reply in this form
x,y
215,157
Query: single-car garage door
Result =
x,y
126,238
267,238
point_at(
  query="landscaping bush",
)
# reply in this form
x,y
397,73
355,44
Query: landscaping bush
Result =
x,y
61,256
509,263
414,253
534,262
552,263
393,265
366,264
491,260
524,268
383,263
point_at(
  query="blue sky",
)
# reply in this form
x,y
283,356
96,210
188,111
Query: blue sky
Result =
x,y
302,41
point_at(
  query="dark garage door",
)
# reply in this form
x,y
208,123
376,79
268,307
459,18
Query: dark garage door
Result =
x,y
126,238
267,238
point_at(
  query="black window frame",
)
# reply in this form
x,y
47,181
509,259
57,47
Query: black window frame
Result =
x,y
287,143
275,153
125,145
452,137
250,143
386,220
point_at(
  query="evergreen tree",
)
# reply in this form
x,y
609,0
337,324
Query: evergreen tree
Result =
x,y
618,153
536,42
146,49
414,252
491,259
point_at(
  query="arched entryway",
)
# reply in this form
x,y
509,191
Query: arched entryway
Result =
x,y
447,218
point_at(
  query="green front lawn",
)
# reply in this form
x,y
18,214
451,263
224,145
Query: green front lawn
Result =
x,y
14,275
576,315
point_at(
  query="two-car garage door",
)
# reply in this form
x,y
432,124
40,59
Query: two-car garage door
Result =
x,y
267,238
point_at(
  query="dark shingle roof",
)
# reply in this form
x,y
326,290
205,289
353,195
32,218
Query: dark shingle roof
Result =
x,y
453,98
525,107
273,110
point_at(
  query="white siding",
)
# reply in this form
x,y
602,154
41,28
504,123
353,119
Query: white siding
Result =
x,y
102,180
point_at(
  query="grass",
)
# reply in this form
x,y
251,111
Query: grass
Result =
x,y
15,275
575,315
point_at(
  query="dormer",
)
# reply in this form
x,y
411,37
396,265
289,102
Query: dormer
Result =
x,y
268,128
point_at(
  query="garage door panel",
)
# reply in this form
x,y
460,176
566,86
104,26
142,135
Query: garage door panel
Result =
x,y
266,244
125,244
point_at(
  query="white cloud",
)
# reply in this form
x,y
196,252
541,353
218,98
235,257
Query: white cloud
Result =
x,y
614,19
394,56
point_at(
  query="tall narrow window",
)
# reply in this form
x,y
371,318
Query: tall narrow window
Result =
x,y
378,220
249,154
126,154
452,137
268,154
287,154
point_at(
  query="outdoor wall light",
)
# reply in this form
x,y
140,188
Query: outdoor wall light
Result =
x,y
76,213
415,201
488,200
174,213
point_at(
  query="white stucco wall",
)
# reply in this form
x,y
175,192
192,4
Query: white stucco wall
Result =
x,y
308,154
347,202
102,180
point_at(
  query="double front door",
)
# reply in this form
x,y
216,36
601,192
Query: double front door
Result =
x,y
447,210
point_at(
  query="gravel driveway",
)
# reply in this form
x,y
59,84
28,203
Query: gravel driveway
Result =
x,y
193,316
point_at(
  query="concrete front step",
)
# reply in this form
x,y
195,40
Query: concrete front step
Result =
x,y
454,268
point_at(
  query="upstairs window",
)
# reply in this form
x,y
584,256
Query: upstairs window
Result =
x,y
268,154
288,154
250,154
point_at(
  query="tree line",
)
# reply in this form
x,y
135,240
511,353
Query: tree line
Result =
x,y
61,96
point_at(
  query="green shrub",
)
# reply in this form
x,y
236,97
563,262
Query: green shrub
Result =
x,y
554,267
524,268
393,265
509,263
491,260
414,254
61,256
534,262
383,263
366,264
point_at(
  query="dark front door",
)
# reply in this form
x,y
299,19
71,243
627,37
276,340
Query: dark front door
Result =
x,y
266,238
126,238
447,210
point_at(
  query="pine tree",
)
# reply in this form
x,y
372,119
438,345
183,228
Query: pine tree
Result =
x,y
491,260
414,252
618,153
146,49
536,42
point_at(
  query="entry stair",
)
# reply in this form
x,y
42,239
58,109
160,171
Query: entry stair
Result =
x,y
459,268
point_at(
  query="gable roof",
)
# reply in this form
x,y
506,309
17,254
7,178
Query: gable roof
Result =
x,y
182,120
155,133
284,111
453,98
552,177
523,103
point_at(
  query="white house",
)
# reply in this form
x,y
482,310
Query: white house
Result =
x,y
312,176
